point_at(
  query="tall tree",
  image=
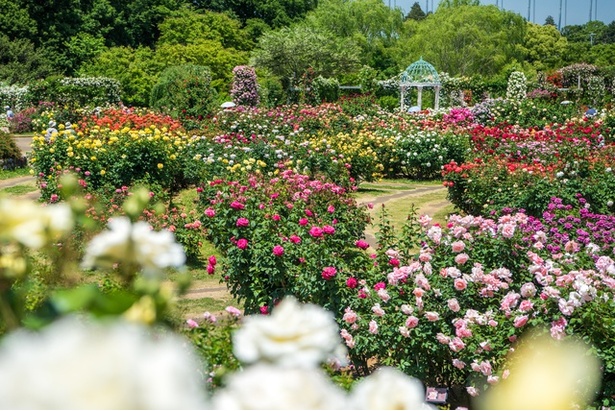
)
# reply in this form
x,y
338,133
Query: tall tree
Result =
x,y
544,46
289,52
416,12
465,40
549,21
456,3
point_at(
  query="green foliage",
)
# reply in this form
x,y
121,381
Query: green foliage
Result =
x,y
326,89
466,39
22,62
8,147
544,46
135,69
388,103
289,52
184,91
75,92
416,12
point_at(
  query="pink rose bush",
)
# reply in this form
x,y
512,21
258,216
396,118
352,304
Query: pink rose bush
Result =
x,y
448,321
309,250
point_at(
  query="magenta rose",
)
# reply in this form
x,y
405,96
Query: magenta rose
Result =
x,y
352,282
362,244
242,243
278,250
236,205
328,229
316,232
242,222
210,212
329,273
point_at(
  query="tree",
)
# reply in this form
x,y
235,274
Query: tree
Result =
x,y
465,40
584,33
189,27
549,21
416,12
457,3
15,21
544,47
289,52
135,69
21,62
370,24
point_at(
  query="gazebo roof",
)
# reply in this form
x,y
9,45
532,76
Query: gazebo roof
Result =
x,y
420,73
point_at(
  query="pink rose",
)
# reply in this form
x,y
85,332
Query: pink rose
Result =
x,y
351,282
472,391
212,260
329,273
275,217
295,239
373,327
278,250
520,321
242,222
235,312
211,269
453,305
457,363
191,323
508,230
377,310
331,209
362,244
443,339
526,305
236,205
461,258
349,316
316,232
210,212
328,229
394,262
209,317
242,243
432,316
264,310
412,322
460,284
303,221
458,246
380,286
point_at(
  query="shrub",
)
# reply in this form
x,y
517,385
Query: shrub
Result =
x,y
517,86
245,87
326,89
75,92
8,147
388,103
184,92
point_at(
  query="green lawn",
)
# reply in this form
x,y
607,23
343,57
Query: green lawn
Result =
x,y
20,172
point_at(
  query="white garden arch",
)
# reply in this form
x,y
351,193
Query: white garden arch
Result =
x,y
420,74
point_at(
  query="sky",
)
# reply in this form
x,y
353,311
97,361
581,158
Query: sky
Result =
x,y
577,13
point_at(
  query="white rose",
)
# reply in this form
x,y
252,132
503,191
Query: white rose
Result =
x,y
136,243
34,225
294,335
77,365
389,389
262,387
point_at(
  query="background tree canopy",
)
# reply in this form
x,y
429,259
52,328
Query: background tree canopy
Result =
x,y
134,41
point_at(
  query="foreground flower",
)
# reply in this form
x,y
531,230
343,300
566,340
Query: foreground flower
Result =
x,y
388,389
33,225
293,335
136,244
262,387
77,365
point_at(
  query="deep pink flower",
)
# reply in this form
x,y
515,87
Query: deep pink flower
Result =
x,y
275,217
210,212
520,321
380,286
212,260
331,209
210,269
278,250
191,323
309,213
328,229
242,243
362,294
264,309
242,222
236,205
303,221
394,262
352,282
295,239
362,244
316,232
329,273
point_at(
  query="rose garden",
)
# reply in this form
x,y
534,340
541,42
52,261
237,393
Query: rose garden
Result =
x,y
509,302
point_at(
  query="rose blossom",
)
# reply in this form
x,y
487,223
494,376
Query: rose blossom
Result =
x,y
461,258
295,239
235,312
526,305
453,305
278,250
327,229
242,222
458,246
457,363
242,243
443,339
294,335
352,282
460,284
373,327
412,322
191,323
520,321
328,273
303,221
236,205
210,212
407,309
432,316
316,232
362,244
349,316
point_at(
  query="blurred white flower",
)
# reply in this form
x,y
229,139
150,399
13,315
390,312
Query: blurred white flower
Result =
x,y
389,389
262,387
34,225
294,335
136,243
73,364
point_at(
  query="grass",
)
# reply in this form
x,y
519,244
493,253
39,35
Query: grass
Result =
x,y
20,172
18,190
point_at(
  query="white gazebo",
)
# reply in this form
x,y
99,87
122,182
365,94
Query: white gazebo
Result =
x,y
420,74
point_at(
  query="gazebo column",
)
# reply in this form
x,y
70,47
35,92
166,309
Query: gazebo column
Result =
x,y
437,98
419,99
403,96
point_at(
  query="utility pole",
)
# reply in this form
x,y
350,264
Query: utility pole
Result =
x,y
591,3
529,5
565,13
534,20
559,21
